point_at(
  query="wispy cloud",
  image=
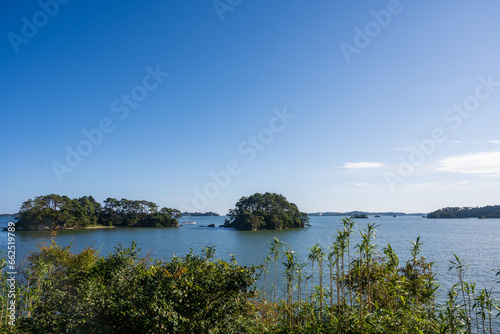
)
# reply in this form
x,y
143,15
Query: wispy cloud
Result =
x,y
359,184
362,165
476,142
406,148
459,183
423,185
438,185
483,163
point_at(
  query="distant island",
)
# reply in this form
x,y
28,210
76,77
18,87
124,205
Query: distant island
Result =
x,y
362,216
361,213
8,215
267,211
55,212
199,214
491,211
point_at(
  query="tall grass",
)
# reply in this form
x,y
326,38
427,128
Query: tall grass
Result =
x,y
372,293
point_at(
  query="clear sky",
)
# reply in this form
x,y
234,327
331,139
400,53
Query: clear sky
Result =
x,y
338,105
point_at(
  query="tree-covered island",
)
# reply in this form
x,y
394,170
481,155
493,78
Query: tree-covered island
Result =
x,y
200,214
55,212
491,211
265,211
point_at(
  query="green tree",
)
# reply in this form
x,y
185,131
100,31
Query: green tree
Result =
x,y
61,212
125,293
266,211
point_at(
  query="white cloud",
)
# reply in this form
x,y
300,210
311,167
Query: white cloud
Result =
x,y
497,142
460,183
484,163
359,184
406,148
362,165
438,185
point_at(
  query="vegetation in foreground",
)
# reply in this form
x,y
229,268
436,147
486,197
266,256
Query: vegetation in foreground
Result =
x,y
343,289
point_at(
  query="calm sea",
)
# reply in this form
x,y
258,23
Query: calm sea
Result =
x,y
476,242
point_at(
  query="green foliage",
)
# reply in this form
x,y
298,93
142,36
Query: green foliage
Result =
x,y
370,293
126,212
55,211
124,293
266,211
491,211
200,214
61,212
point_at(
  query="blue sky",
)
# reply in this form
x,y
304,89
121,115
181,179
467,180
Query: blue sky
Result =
x,y
374,105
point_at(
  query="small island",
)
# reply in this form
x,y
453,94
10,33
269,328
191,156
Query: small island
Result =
x,y
353,213
491,211
55,212
267,211
200,214
362,216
